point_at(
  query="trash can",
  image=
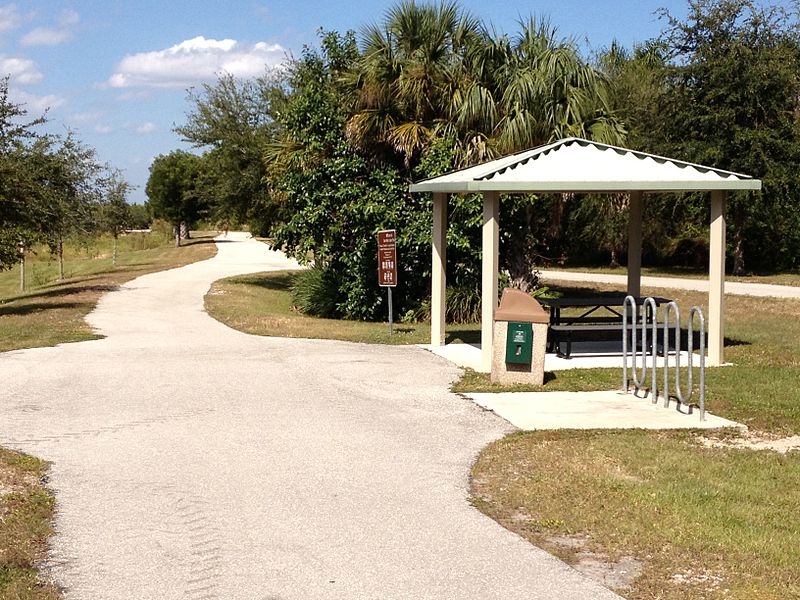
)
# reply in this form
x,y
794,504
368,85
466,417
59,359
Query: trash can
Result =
x,y
520,339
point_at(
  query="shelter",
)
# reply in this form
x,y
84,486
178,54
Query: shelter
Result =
x,y
582,166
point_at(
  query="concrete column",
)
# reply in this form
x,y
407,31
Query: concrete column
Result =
x,y
716,280
490,268
438,270
635,244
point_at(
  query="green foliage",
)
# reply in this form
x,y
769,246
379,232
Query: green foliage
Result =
x,y
463,304
172,188
115,212
345,128
140,216
732,102
334,201
20,198
234,122
314,292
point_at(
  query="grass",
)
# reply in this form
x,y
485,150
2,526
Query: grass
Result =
x,y
51,312
703,522
261,304
26,511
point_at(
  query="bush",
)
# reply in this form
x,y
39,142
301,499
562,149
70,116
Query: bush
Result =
x,y
463,305
314,293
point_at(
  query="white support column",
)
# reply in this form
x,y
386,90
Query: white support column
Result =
x,y
438,270
490,268
716,280
635,244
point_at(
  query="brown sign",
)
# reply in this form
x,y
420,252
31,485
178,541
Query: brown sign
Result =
x,y
387,258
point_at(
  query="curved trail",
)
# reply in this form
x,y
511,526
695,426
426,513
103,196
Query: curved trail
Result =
x,y
191,461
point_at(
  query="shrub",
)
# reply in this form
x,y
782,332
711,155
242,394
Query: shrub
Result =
x,y
314,293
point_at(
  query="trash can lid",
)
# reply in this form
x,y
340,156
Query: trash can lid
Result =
x,y
516,305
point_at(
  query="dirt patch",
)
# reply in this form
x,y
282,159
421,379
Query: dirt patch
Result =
x,y
754,441
613,574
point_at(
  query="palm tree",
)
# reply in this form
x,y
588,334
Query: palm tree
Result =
x,y
434,71
535,89
409,69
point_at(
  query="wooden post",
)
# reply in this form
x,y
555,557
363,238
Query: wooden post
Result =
x,y
490,268
438,270
635,244
716,280
21,252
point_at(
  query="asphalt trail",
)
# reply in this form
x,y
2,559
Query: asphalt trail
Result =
x,y
191,461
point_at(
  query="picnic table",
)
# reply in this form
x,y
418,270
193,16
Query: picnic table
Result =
x,y
597,317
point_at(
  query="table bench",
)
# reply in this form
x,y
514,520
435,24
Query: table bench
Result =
x,y
587,326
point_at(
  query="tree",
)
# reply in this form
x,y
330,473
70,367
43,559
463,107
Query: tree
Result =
x,y
20,205
235,121
434,72
733,102
171,189
67,173
406,77
114,210
141,215
333,199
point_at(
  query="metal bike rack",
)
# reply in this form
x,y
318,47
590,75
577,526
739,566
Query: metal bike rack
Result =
x,y
629,330
633,327
683,399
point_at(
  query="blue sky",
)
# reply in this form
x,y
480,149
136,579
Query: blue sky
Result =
x,y
116,72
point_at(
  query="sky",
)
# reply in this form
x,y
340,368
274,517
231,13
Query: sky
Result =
x,y
117,72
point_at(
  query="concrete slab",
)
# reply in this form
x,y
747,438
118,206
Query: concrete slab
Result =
x,y
593,410
735,288
585,355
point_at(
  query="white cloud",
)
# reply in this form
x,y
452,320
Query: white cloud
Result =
x,y
132,96
23,71
101,128
69,18
35,105
86,117
195,61
52,36
9,17
146,128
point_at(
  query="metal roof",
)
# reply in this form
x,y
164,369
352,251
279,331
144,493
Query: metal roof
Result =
x,y
578,165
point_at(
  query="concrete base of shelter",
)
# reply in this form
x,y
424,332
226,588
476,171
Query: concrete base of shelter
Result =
x,y
511,373
594,410
585,355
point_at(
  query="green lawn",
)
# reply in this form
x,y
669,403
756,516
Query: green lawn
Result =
x,y
261,304
703,522
26,511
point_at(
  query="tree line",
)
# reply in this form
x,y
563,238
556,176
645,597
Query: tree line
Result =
x,y
319,155
53,188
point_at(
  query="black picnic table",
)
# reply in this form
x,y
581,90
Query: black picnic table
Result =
x,y
599,315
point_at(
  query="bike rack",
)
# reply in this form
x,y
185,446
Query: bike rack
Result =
x,y
648,321
649,352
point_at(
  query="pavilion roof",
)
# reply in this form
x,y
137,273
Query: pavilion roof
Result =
x,y
578,165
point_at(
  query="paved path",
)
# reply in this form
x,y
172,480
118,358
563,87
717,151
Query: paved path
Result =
x,y
676,283
191,461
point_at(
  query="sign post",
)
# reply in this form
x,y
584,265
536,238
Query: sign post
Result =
x,y
387,264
